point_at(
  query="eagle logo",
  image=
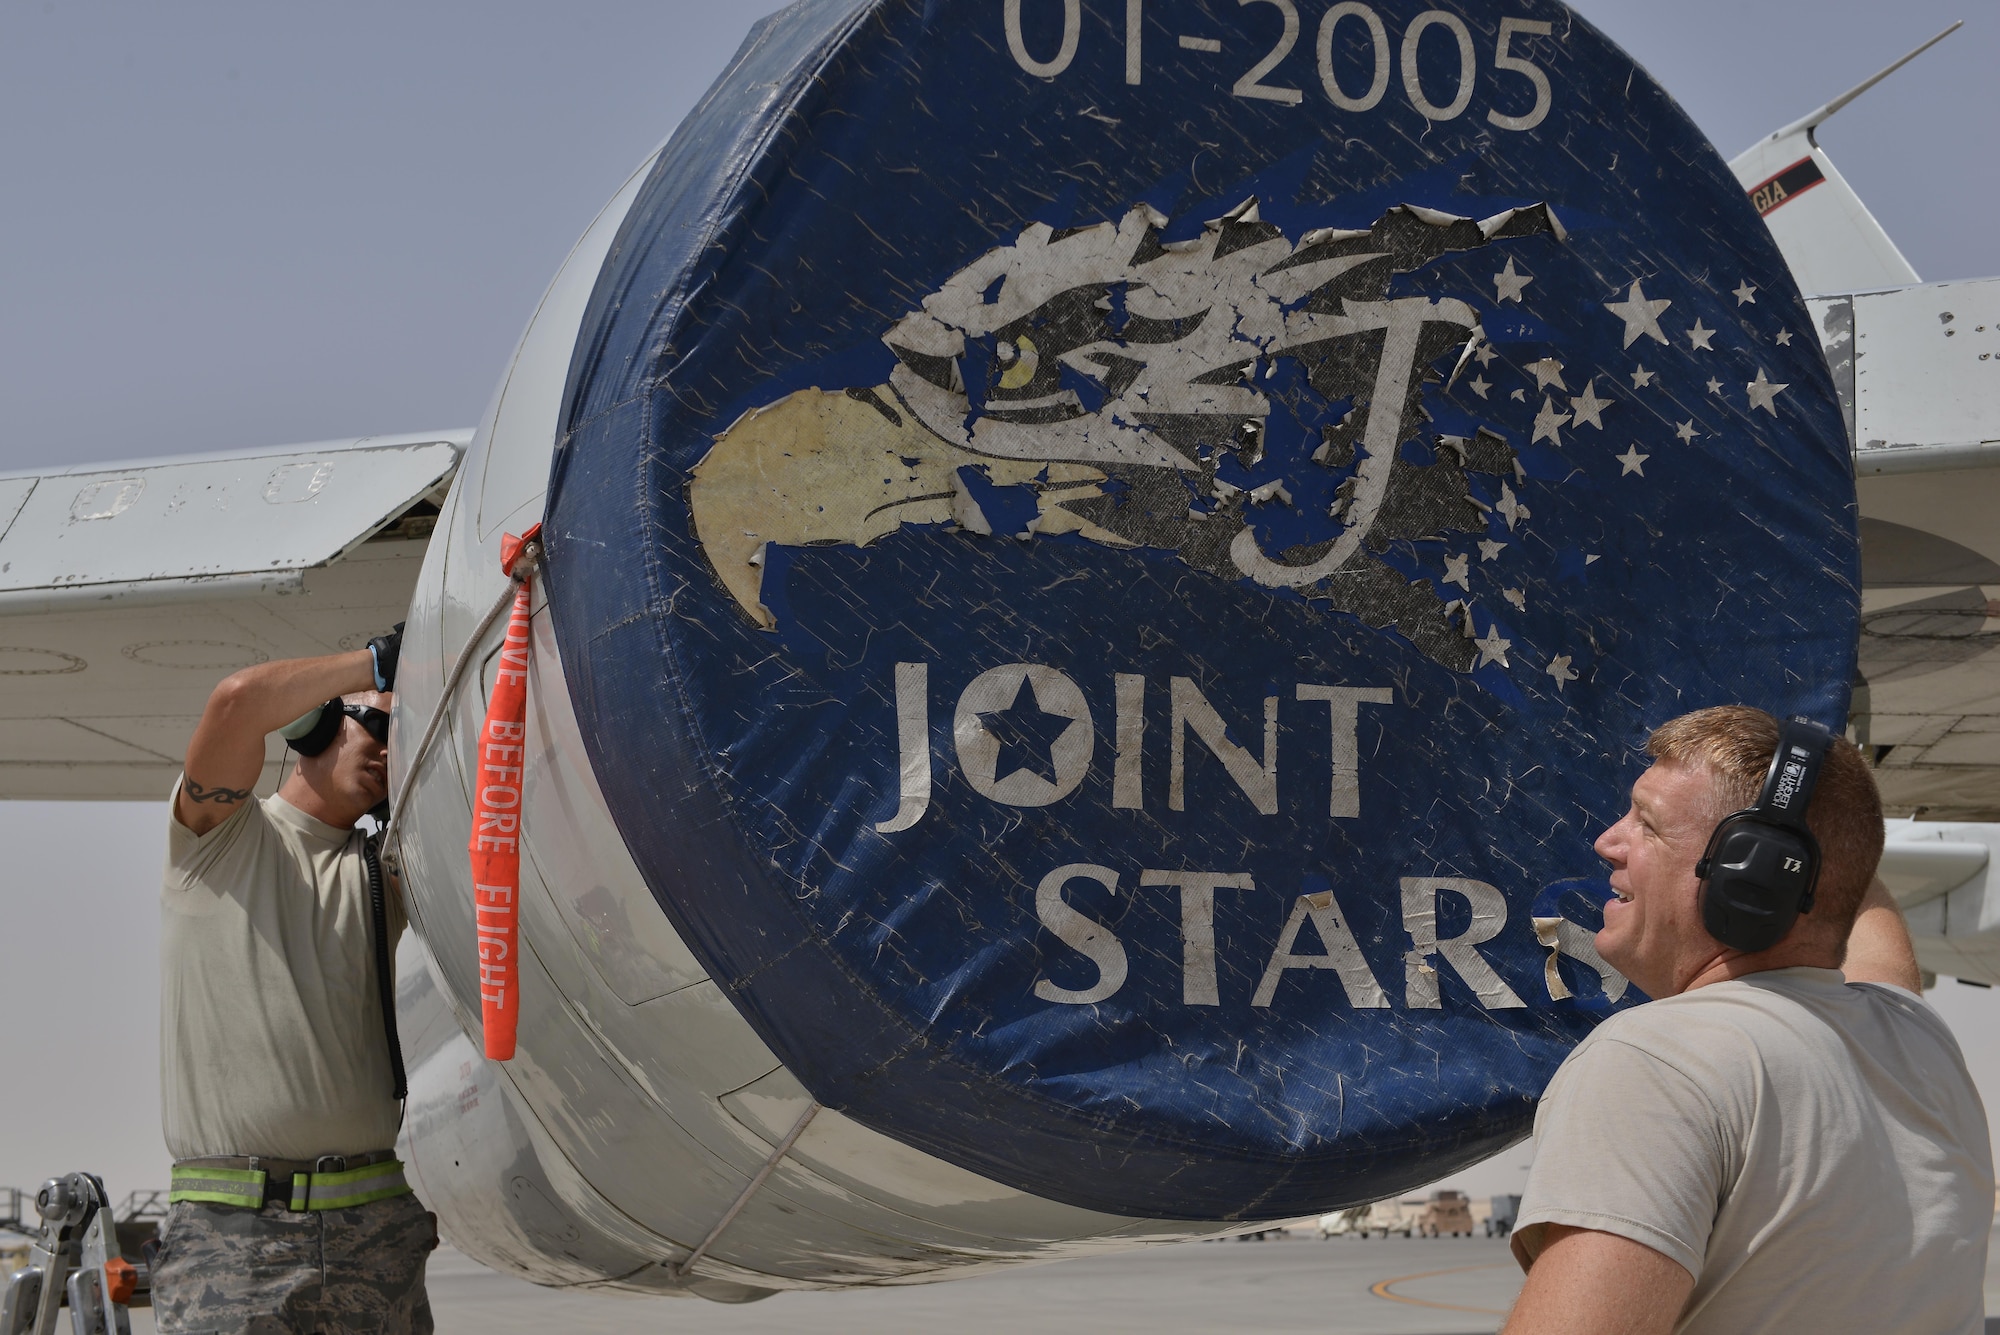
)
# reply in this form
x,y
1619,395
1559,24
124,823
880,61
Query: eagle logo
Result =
x,y
1107,383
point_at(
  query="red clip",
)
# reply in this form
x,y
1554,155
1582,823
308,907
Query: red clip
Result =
x,y
510,547
124,1280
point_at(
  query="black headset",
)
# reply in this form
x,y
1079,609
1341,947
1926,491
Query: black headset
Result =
x,y
1762,864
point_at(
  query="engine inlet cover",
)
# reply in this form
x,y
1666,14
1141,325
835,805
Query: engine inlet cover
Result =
x,y
1113,559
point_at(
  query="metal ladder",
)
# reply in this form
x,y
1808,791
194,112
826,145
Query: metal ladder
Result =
x,y
74,1261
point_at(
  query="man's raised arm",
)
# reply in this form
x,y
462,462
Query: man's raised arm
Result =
x,y
227,752
1879,949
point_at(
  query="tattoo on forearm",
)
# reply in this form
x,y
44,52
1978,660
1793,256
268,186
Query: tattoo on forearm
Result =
x,y
226,797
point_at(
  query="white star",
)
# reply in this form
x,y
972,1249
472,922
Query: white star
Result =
x,y
1640,315
1634,461
1548,371
1700,336
1714,385
1490,550
1485,355
1686,432
1455,571
1511,507
1493,649
1479,384
1745,295
1642,378
1549,424
1559,669
1516,597
1519,396
1588,407
1510,283
1784,338
1764,394
1591,558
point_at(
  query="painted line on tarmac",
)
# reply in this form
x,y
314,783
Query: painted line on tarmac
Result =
x,y
1381,1288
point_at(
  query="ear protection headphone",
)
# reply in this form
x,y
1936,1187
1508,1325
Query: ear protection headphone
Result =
x,y
1762,863
315,730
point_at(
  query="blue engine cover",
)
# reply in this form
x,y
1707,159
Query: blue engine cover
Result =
x,y
1114,557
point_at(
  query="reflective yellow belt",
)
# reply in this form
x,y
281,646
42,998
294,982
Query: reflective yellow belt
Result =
x,y
249,1188
218,1186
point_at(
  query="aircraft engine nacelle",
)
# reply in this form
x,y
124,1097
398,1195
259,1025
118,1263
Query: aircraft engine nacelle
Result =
x,y
1105,564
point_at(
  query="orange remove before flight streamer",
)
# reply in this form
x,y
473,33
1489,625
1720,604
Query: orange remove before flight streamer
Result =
x,y
495,843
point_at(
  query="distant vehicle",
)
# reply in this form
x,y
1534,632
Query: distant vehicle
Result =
x,y
1500,1223
1398,1216
1382,1218
1447,1212
1353,1220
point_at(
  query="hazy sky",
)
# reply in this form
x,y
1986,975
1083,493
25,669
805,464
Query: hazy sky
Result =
x,y
235,225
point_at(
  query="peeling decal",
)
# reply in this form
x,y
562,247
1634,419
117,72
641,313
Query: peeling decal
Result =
x,y
1113,378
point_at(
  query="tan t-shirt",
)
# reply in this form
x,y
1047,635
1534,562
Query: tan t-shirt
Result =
x,y
1812,1151
270,1024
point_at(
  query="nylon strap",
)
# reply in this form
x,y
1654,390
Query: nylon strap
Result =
x,y
218,1186
345,1190
245,1187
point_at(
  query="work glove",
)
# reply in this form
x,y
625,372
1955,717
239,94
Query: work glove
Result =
x,y
386,649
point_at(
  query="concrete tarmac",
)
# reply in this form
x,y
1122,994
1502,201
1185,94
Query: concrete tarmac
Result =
x,y
1292,1285
1297,1285
1280,1286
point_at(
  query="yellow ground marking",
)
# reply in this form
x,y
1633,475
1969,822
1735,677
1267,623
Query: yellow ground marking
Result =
x,y
1381,1288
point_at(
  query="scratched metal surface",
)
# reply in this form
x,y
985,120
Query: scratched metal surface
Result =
x,y
1108,674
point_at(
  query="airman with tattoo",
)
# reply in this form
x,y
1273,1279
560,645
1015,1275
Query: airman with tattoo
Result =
x,y
281,1078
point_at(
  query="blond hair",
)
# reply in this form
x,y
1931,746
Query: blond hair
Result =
x,y
1735,743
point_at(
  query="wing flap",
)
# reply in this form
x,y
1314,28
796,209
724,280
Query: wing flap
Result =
x,y
127,593
232,517
1926,375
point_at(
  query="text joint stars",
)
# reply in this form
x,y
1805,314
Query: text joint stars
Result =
x,y
1025,737
1314,935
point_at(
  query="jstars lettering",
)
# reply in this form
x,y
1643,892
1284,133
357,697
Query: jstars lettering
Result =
x,y
1034,713
1310,920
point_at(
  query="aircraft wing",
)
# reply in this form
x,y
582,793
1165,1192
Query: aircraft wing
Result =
x,y
1919,372
128,591
1917,369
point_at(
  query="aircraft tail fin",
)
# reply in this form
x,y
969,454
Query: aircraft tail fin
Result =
x,y
1828,236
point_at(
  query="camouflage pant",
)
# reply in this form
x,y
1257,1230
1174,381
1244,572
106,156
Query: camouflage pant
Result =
x,y
230,1271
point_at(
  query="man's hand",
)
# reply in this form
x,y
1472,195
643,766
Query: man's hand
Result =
x,y
226,754
1879,949
1584,1282
387,650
